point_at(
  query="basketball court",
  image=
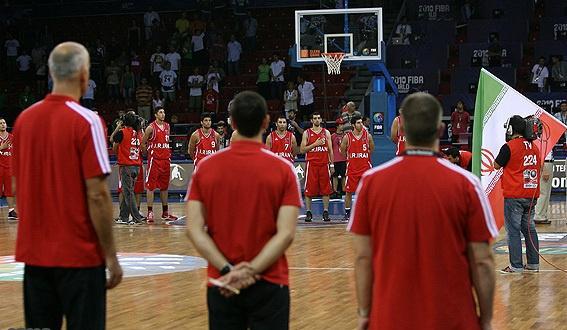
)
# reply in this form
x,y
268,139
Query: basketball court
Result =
x,y
164,284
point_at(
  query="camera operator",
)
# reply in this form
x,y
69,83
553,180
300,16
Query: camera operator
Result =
x,y
520,159
126,143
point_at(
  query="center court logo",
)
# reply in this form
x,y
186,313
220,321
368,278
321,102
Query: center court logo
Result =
x,y
133,264
549,243
177,175
299,172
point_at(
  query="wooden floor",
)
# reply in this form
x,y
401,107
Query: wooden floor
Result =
x,y
322,283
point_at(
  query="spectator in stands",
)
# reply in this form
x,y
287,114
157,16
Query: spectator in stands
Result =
x,y
168,81
561,115
198,47
263,79
88,98
403,31
467,10
151,18
213,78
12,45
219,68
211,100
211,32
172,122
144,99
197,24
494,51
348,112
134,35
540,74
157,100
113,76
41,77
156,63
195,83
136,66
366,122
182,27
123,59
460,120
174,59
306,99
128,85
117,121
239,7
294,66
277,68
26,98
24,64
293,126
234,49
290,97
98,58
38,54
217,52
250,29
558,69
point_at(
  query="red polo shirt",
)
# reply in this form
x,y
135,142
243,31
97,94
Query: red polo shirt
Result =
x,y
242,188
58,145
420,227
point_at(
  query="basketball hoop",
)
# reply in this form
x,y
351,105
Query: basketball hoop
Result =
x,y
333,61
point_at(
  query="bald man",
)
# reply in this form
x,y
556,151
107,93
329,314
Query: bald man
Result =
x,y
65,239
349,112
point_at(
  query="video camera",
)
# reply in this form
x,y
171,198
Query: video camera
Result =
x,y
131,119
530,127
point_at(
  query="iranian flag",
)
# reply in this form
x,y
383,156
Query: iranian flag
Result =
x,y
495,103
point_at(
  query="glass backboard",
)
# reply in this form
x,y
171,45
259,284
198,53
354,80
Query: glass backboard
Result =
x,y
356,32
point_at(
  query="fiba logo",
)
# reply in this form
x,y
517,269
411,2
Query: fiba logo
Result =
x,y
378,118
486,162
177,175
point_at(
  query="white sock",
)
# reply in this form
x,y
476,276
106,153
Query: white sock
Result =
x,y
10,210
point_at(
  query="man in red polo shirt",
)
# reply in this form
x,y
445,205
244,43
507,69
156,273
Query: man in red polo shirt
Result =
x,y
458,157
244,236
65,238
440,231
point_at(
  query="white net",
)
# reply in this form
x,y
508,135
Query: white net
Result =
x,y
333,61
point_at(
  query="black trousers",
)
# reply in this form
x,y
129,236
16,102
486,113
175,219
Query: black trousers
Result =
x,y
264,305
79,294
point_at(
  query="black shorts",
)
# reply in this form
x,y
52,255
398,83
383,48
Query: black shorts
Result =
x,y
77,293
264,305
340,169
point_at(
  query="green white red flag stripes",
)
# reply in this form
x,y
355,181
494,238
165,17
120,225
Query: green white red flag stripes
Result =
x,y
495,103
